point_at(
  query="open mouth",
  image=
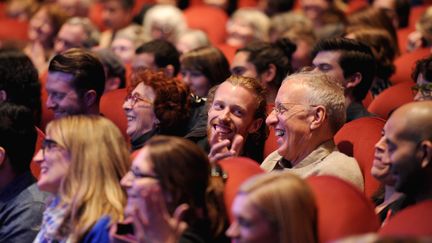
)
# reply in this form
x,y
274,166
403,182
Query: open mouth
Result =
x,y
279,132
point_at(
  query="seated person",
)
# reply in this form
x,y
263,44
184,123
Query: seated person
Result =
x,y
309,110
274,207
82,160
21,202
422,75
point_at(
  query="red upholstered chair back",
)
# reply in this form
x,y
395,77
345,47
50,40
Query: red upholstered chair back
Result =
x,y
342,209
358,138
412,221
405,63
270,144
111,107
238,169
211,20
391,98
34,167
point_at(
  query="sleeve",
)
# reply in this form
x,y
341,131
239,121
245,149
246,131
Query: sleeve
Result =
x,y
22,223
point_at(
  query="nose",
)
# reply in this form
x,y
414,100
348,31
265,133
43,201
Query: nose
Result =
x,y
126,181
233,230
50,103
225,115
38,158
380,145
127,105
272,119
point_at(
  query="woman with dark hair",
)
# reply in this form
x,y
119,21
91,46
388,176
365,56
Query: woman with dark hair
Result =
x,y
171,183
204,68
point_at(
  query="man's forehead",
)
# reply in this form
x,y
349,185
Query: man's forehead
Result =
x,y
59,78
323,56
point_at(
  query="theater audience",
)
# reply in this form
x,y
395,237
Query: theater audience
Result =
x,y
276,207
246,25
19,83
75,83
21,202
76,32
126,41
82,161
352,64
173,195
422,75
235,124
309,110
422,36
408,137
204,68
42,32
383,50
157,55
155,104
115,71
265,62
191,39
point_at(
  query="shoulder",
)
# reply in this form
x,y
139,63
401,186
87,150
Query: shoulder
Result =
x,y
270,161
99,232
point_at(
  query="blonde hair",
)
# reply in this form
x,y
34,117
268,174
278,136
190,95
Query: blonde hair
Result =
x,y
287,202
99,159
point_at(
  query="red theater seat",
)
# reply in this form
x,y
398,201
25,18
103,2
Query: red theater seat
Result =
x,y
342,209
238,169
406,63
357,138
391,98
412,221
111,107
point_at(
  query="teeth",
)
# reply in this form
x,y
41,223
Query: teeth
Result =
x,y
221,129
279,133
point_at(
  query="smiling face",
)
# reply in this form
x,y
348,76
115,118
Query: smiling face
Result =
x,y
232,112
292,122
140,179
41,28
402,154
380,165
140,114
62,98
249,224
54,163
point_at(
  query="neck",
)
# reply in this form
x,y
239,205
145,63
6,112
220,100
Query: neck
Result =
x,y
425,190
93,110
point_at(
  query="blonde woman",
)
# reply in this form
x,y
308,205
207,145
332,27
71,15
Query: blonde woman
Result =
x,y
275,207
82,161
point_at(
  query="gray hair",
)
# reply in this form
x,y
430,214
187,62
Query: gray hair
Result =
x,y
92,33
259,22
324,90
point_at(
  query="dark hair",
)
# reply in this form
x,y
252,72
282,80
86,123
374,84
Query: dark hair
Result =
x,y
17,135
87,70
278,6
210,61
183,170
113,65
423,67
355,57
172,102
165,53
126,4
262,54
20,81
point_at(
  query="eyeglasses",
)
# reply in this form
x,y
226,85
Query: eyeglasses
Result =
x,y
281,108
135,98
424,89
138,174
48,144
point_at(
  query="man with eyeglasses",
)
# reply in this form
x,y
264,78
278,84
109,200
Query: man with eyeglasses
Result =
x,y
309,110
21,202
408,138
422,75
77,32
75,83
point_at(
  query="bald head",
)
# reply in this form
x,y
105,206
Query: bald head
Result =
x,y
415,119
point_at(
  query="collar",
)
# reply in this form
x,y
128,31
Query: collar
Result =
x,y
139,142
319,154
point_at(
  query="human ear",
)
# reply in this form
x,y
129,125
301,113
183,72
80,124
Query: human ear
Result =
x,y
319,117
2,156
269,74
426,149
90,97
354,80
255,126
